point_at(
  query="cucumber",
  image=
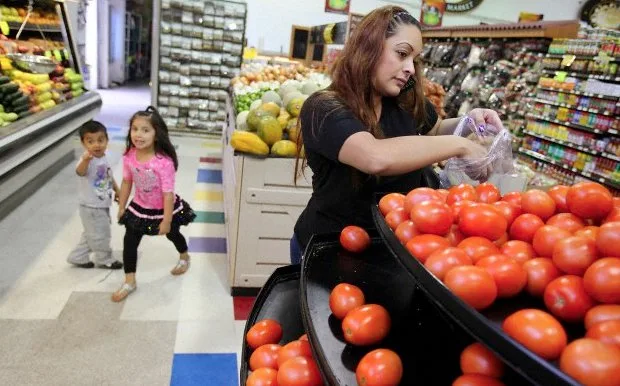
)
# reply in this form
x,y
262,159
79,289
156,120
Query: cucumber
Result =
x,y
23,101
25,114
4,79
8,88
9,98
1,109
21,109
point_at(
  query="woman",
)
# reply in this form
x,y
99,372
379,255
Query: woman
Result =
x,y
373,130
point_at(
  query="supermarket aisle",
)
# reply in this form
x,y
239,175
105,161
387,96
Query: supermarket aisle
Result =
x,y
57,323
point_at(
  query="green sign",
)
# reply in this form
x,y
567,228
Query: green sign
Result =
x,y
461,5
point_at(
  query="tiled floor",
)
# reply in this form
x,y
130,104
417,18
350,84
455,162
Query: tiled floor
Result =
x,y
57,323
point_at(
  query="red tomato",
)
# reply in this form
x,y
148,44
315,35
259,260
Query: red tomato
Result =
x,y
589,200
538,331
303,337
592,363
294,349
602,313
492,259
444,193
434,217
508,210
263,377
538,203
391,201
566,221
606,332
509,277
590,231
545,239
614,215
458,206
264,332
518,250
455,236
441,261
574,255
477,359
380,367
265,356
540,272
482,220
396,217
616,201
300,371
608,239
419,195
558,194
478,247
473,285
602,280
525,226
460,193
405,231
354,239
502,240
345,297
476,380
488,193
514,198
366,325
567,298
422,246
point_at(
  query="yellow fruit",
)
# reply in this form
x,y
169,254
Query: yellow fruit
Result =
x,y
294,106
247,142
283,121
272,108
284,148
293,134
269,130
254,117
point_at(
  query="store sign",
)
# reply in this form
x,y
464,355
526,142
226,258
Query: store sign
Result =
x,y
461,5
337,6
432,12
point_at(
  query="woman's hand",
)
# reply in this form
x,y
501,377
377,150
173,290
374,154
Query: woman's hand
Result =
x,y
475,152
486,117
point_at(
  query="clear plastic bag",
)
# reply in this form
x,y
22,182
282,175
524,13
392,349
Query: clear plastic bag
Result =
x,y
497,163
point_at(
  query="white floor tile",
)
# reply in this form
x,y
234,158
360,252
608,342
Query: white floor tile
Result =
x,y
213,336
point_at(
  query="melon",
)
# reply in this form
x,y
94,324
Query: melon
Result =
x,y
242,120
269,130
256,104
254,117
309,88
284,148
287,88
272,108
272,96
294,106
283,118
290,96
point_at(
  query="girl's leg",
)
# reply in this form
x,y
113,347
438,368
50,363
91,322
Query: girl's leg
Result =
x,y
181,246
130,260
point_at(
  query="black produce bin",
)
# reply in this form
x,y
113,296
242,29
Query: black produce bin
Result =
x,y
277,300
483,326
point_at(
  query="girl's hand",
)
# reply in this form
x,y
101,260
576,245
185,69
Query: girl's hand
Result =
x,y
164,228
121,212
486,117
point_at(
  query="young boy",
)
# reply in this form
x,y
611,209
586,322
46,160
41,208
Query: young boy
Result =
x,y
95,195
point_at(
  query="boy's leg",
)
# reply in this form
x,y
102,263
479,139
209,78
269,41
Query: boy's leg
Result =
x,y
100,239
80,254
181,246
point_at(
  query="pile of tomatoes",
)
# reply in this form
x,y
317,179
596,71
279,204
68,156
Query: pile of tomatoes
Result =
x,y
366,325
275,365
562,245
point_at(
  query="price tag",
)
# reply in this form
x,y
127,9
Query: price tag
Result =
x,y
4,27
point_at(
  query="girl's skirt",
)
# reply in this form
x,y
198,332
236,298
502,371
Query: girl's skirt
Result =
x,y
147,221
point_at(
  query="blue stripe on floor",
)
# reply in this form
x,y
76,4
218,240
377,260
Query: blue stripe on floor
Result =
x,y
207,244
204,370
210,176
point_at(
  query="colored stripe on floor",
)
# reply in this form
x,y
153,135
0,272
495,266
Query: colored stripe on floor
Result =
x,y
204,369
210,217
212,145
211,160
243,306
209,176
207,244
209,195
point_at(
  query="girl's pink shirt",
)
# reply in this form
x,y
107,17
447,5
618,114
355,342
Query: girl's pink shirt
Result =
x,y
151,179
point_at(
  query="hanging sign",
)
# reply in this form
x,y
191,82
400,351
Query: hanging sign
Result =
x,y
337,6
457,6
432,12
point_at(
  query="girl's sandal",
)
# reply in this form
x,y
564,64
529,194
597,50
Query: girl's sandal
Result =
x,y
181,267
122,293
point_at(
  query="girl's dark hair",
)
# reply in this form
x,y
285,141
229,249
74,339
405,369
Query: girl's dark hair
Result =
x,y
352,87
162,140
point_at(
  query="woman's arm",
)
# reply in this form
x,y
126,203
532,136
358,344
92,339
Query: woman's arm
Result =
x,y
399,155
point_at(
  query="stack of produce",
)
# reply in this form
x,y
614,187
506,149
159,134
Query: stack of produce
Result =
x,y
435,94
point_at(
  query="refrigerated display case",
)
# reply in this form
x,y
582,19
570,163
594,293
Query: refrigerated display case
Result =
x,y
42,95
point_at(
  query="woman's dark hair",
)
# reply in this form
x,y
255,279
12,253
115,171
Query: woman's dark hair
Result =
x,y
162,140
352,87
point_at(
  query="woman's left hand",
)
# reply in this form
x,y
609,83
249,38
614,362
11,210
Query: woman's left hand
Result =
x,y
164,228
486,117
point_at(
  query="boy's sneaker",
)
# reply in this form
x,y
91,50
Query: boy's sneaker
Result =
x,y
114,265
90,264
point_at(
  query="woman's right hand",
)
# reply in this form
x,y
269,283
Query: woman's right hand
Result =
x,y
475,152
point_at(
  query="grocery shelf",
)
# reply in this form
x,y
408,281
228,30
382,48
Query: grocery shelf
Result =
x,y
585,57
573,146
593,111
485,326
587,94
611,78
547,29
588,175
572,125
15,26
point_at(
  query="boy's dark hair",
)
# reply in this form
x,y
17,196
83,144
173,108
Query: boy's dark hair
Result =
x,y
92,127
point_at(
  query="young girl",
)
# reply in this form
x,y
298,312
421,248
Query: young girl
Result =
x,y
150,162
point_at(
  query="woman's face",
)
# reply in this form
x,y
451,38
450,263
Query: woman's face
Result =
x,y
396,62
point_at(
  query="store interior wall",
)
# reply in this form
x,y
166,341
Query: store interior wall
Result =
x,y
269,21
111,50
